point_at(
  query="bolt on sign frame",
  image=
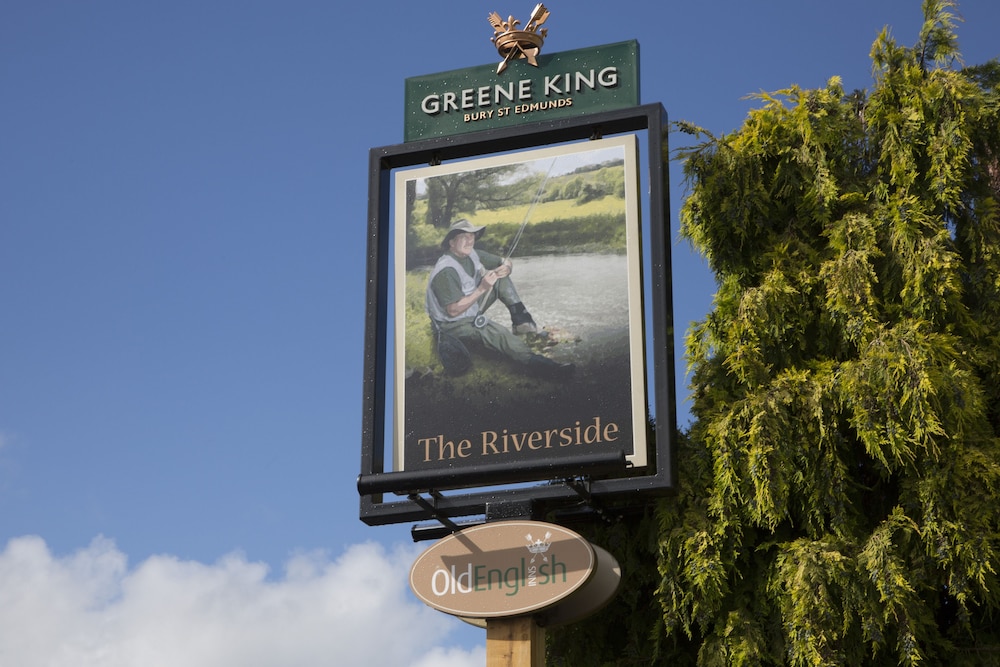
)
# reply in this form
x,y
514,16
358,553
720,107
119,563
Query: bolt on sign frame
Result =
x,y
624,472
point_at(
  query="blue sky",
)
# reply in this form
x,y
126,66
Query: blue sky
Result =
x,y
183,197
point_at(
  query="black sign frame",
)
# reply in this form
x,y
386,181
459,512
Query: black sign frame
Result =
x,y
595,478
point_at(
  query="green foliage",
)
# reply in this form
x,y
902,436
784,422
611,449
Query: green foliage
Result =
x,y
839,498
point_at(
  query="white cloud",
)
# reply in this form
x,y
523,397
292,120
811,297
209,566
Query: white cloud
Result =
x,y
89,609
452,657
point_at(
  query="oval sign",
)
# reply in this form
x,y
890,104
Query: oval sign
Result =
x,y
508,568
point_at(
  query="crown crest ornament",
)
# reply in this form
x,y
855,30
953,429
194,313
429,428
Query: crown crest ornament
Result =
x,y
539,546
512,43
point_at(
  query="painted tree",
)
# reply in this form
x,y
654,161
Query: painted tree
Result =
x,y
449,196
840,485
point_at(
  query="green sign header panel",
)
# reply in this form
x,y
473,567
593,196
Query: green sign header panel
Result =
x,y
569,83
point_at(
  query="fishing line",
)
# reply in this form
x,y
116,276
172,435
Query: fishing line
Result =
x,y
527,214
480,320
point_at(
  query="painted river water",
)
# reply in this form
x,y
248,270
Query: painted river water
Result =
x,y
582,299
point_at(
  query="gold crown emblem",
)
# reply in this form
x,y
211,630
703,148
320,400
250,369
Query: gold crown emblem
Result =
x,y
512,43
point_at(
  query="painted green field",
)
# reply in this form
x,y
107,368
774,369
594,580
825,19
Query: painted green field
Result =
x,y
553,227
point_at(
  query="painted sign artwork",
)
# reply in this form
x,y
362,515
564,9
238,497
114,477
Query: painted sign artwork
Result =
x,y
518,308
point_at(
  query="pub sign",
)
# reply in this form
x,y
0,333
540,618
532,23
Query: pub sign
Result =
x,y
518,318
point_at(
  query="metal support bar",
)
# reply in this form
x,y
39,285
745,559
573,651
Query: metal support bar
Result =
x,y
435,531
581,487
408,482
433,511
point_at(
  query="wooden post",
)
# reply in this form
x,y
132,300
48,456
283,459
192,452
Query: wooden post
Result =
x,y
514,642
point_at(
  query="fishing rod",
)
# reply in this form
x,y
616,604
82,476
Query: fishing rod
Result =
x,y
527,214
480,320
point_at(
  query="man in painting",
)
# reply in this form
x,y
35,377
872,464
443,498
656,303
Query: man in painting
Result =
x,y
462,285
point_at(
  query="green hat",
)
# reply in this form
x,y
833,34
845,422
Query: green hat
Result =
x,y
462,225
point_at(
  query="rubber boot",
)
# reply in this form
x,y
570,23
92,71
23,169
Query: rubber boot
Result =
x,y
521,320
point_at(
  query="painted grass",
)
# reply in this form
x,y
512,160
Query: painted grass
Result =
x,y
553,227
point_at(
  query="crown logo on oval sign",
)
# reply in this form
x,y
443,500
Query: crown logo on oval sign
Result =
x,y
512,43
539,546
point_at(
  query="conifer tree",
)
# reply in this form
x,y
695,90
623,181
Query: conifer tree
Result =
x,y
840,500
